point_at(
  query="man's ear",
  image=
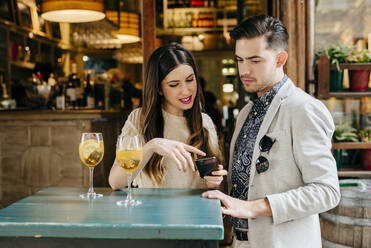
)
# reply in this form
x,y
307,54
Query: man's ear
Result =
x,y
281,58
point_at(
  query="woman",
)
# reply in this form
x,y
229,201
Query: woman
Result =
x,y
171,125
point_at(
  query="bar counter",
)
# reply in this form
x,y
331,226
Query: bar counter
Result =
x,y
39,148
29,115
58,217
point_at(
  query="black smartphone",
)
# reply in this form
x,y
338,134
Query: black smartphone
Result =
x,y
206,165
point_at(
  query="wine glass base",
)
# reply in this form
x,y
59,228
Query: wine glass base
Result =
x,y
91,195
127,203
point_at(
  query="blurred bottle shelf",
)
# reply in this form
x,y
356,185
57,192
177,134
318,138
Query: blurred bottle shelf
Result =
x,y
188,19
188,31
203,9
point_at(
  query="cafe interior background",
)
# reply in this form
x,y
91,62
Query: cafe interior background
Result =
x,y
59,78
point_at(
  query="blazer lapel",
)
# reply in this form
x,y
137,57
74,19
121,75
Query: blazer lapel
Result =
x,y
269,116
240,121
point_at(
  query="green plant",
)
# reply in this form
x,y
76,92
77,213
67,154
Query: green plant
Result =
x,y
365,135
345,133
338,54
363,56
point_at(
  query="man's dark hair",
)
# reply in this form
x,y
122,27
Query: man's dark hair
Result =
x,y
273,30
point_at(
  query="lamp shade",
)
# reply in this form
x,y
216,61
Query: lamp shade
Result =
x,y
129,26
72,11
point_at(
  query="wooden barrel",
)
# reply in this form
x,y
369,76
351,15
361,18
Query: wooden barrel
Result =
x,y
349,224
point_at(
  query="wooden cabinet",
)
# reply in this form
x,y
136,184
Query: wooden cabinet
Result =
x,y
323,92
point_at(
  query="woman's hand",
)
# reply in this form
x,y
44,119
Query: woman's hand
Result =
x,y
216,179
179,152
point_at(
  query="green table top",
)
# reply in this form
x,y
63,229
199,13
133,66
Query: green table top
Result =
x,y
164,214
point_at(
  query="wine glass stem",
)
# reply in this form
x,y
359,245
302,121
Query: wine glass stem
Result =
x,y
91,189
129,186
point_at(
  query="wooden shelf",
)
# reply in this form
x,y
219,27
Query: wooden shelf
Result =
x,y
174,14
353,66
348,172
351,145
26,65
349,94
324,67
185,31
203,9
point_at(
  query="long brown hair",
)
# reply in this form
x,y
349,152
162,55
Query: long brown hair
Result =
x,y
162,61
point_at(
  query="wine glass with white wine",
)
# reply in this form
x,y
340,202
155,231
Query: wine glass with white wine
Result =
x,y
129,155
91,151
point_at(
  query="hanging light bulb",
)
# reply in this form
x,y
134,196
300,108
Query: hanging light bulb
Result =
x,y
72,11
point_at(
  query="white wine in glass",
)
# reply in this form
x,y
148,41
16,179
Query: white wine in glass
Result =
x,y
91,151
129,155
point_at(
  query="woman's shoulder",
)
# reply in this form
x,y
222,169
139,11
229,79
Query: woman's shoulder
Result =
x,y
134,115
133,119
207,121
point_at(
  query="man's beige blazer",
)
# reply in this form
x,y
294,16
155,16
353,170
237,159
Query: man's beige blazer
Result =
x,y
302,177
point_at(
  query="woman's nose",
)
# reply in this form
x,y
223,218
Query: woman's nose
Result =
x,y
186,88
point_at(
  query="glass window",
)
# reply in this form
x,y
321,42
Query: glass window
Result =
x,y
346,22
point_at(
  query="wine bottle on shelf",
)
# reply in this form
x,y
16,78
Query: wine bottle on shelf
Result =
x,y
197,3
39,78
89,93
171,22
51,80
60,99
195,20
70,94
79,92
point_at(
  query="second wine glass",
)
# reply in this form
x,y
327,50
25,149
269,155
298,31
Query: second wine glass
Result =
x,y
129,155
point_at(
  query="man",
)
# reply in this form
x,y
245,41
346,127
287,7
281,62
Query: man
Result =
x,y
281,171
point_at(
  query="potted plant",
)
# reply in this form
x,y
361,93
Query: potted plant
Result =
x,y
365,136
359,78
337,54
343,133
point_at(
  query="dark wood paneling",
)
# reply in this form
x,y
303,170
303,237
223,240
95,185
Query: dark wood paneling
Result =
x,y
148,30
293,14
323,76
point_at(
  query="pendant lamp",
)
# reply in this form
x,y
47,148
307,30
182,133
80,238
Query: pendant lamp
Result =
x,y
129,26
72,11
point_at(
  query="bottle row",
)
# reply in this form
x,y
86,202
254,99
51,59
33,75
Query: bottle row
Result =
x,y
72,94
201,19
200,3
190,3
67,93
